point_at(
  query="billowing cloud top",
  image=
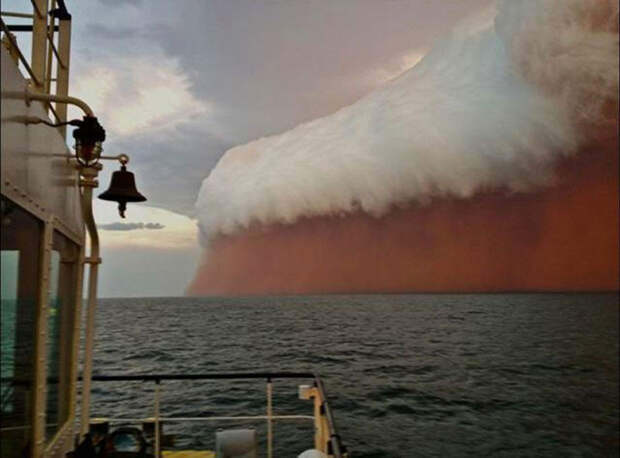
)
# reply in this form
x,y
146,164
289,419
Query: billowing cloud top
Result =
x,y
488,107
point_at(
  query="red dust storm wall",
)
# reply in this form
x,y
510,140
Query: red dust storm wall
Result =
x,y
563,237
482,115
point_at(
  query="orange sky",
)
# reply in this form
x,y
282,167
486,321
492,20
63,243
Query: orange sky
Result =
x,y
564,237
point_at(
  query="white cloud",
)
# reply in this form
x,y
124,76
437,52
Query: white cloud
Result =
x,y
178,232
134,95
470,116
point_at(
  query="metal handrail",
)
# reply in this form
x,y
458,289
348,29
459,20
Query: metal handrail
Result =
x,y
22,59
16,14
205,376
334,437
214,418
335,446
335,441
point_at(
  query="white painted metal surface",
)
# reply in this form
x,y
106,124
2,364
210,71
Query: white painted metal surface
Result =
x,y
38,175
33,166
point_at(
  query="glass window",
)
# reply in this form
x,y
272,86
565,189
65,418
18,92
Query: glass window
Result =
x,y
60,321
20,246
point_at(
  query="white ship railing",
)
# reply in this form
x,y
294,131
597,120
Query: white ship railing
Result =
x,y
326,438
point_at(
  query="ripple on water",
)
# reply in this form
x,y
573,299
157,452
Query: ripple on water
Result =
x,y
409,375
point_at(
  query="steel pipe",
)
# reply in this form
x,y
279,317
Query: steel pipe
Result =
x,y
89,182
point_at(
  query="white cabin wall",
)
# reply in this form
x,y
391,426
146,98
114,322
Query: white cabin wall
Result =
x,y
31,166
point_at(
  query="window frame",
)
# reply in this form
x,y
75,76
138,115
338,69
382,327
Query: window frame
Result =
x,y
50,224
66,296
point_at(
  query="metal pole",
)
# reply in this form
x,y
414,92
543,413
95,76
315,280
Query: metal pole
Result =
x,y
269,420
319,432
13,14
328,418
39,42
62,71
89,182
29,96
38,405
77,323
90,335
50,54
157,439
56,98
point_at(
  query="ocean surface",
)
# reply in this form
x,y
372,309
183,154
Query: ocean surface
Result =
x,y
498,375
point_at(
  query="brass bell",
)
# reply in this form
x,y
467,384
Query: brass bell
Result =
x,y
122,190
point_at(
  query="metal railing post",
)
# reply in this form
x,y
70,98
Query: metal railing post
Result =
x,y
157,438
329,423
89,181
39,43
320,426
62,70
50,54
38,404
269,419
327,439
